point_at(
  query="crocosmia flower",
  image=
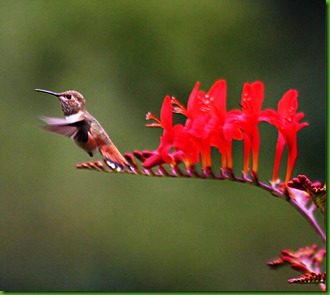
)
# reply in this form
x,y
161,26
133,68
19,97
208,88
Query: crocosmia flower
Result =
x,y
202,117
174,137
286,120
251,103
209,124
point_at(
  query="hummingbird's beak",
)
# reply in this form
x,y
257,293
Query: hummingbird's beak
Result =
x,y
47,91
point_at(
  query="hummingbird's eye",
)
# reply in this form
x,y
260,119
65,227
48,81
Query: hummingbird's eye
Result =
x,y
68,96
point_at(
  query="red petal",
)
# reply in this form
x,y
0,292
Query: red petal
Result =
x,y
258,93
192,99
302,125
288,104
292,155
252,97
218,92
246,148
231,131
197,128
166,115
278,155
298,117
255,149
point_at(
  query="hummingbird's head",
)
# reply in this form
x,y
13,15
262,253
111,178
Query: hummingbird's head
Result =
x,y
71,101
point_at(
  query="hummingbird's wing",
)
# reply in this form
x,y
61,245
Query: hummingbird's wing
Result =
x,y
77,130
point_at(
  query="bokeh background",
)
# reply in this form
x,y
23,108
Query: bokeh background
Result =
x,y
67,229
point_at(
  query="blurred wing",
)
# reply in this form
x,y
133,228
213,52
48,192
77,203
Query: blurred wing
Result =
x,y
54,121
77,130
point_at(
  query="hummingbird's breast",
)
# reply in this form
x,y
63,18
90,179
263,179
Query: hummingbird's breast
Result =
x,y
75,117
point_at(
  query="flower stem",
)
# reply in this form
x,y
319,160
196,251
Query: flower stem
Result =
x,y
208,173
309,216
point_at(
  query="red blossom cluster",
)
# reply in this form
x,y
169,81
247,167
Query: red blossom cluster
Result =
x,y
208,124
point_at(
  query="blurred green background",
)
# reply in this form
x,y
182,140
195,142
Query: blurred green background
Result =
x,y
67,229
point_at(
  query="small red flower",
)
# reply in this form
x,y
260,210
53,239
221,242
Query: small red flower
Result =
x,y
202,119
173,137
286,120
209,124
251,102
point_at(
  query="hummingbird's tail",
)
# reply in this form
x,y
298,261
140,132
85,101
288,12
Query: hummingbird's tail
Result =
x,y
114,158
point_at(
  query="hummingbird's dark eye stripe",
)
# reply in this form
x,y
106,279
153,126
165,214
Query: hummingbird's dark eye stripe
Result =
x,y
68,96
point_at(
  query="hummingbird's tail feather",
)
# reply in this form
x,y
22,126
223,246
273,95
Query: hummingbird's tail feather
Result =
x,y
114,158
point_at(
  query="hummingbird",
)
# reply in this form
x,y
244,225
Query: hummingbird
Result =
x,y
83,128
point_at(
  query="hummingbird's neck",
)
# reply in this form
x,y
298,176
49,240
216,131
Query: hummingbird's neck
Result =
x,y
75,117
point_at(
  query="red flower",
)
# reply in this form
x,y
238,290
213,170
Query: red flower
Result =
x,y
209,124
201,116
173,137
251,116
286,120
